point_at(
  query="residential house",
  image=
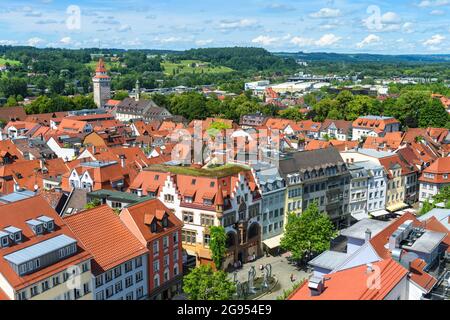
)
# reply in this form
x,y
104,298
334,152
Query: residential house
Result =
x,y
374,126
336,129
159,230
434,178
120,260
319,176
40,257
201,198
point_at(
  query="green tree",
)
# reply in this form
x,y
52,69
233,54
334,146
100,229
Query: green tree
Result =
x,y
218,245
433,115
93,204
309,232
11,102
427,206
120,95
203,283
291,114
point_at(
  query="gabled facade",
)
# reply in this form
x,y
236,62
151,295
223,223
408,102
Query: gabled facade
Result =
x,y
201,198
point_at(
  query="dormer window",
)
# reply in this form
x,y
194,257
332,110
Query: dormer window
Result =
x,y
165,222
153,226
193,181
4,240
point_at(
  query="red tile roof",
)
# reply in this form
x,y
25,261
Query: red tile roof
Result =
x,y
104,235
352,284
144,212
420,277
16,214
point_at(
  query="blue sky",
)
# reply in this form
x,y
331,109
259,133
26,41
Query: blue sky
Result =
x,y
347,26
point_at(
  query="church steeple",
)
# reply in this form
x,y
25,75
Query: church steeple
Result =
x,y
138,90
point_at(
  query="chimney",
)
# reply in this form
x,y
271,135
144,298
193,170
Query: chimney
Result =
x,y
369,268
139,192
316,285
94,150
368,235
122,160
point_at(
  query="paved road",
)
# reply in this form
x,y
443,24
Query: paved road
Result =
x,y
281,269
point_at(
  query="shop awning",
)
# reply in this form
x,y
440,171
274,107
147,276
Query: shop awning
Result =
x,y
397,206
379,213
273,242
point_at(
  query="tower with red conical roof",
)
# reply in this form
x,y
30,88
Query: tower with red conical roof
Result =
x,y
102,85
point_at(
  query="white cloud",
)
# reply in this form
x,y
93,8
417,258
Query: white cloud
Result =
x,y
327,40
435,40
66,40
326,13
203,42
437,12
370,39
408,27
236,24
265,40
124,28
8,42
433,3
35,41
302,42
390,18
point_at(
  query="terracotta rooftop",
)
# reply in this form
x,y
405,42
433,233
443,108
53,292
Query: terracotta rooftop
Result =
x,y
105,236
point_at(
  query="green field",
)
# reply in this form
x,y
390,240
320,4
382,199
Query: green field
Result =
x,y
11,62
185,66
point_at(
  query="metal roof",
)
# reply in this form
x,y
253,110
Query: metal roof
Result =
x,y
34,222
12,229
427,242
40,249
358,230
3,234
45,219
329,259
440,214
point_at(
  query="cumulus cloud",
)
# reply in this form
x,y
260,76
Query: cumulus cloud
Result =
x,y
437,12
35,41
66,40
8,42
265,40
370,39
327,40
326,13
435,40
302,42
237,24
278,7
124,28
433,3
203,42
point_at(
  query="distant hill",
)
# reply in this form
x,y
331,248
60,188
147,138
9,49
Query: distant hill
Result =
x,y
364,57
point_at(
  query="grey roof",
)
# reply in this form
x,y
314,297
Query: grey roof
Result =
x,y
3,234
369,165
17,196
427,242
442,215
310,159
40,249
45,219
375,154
34,222
12,229
358,230
329,259
369,117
